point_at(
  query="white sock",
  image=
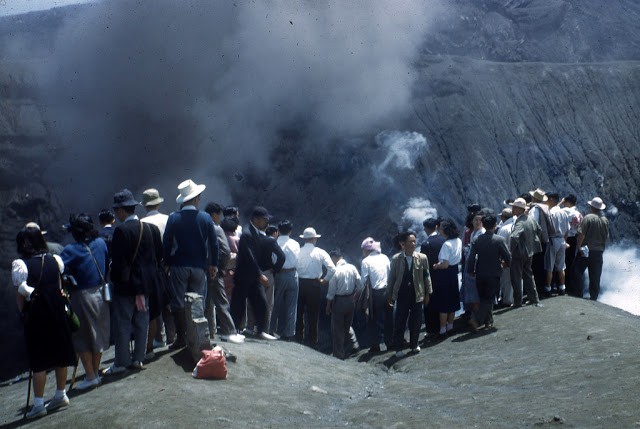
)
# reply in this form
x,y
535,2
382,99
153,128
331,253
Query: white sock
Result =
x,y
561,287
38,402
443,329
449,326
59,394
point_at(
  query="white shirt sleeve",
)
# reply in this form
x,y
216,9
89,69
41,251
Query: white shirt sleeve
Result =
x,y
19,274
445,252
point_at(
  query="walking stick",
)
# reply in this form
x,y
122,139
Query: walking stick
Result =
x,y
26,407
75,370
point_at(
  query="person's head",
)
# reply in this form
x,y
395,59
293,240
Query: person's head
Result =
x,y
518,206
370,245
473,208
596,205
526,196
430,225
539,196
336,255
476,222
285,227
408,242
553,198
231,211
506,213
260,217
30,242
309,235
124,205
271,231
448,229
489,221
81,228
229,225
189,193
570,200
151,199
106,217
215,211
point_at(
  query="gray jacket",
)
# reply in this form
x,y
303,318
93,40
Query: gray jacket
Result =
x,y
525,238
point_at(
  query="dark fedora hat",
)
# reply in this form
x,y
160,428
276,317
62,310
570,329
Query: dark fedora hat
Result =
x,y
124,198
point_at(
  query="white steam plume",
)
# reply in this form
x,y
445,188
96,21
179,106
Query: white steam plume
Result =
x,y
417,210
403,149
620,281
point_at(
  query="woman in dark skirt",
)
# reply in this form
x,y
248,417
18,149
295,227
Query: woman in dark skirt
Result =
x,y
444,276
86,261
47,332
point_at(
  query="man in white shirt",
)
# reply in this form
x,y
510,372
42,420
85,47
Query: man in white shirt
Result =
x,y
375,271
343,287
555,253
283,318
311,262
162,326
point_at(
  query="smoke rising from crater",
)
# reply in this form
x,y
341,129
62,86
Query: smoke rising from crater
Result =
x,y
148,93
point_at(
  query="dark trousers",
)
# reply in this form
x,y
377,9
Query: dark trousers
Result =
x,y
249,290
407,308
539,273
487,286
569,258
521,274
341,318
309,299
380,323
594,264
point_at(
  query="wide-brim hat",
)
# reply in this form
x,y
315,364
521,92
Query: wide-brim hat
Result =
x,y
597,203
124,198
151,197
520,203
538,195
189,190
310,233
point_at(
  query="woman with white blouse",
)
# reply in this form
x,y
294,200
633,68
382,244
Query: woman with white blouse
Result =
x,y
444,276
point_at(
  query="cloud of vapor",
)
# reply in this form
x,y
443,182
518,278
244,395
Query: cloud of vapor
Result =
x,y
621,277
403,149
416,211
152,92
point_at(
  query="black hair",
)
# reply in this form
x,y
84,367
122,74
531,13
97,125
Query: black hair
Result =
x,y
553,196
229,224
336,253
489,221
270,230
527,197
106,216
81,228
403,236
431,223
449,228
571,199
285,227
129,209
213,208
30,242
230,211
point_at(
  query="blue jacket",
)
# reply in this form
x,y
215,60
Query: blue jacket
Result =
x,y
79,263
190,240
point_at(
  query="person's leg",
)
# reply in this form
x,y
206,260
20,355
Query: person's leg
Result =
x,y
595,272
506,290
443,323
123,307
209,307
376,318
337,331
39,380
302,301
96,357
87,362
314,313
400,322
239,302
258,301
153,326
61,377
140,334
222,307
515,271
528,282
278,299
580,264
269,296
290,303
415,318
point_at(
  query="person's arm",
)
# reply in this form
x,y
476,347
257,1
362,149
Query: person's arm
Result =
x,y
328,264
212,242
167,242
280,257
428,288
471,266
393,293
331,292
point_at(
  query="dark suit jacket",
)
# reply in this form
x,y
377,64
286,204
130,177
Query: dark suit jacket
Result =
x,y
247,265
269,247
490,249
135,276
431,248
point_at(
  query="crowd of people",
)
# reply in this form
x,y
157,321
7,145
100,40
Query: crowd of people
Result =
x,y
127,283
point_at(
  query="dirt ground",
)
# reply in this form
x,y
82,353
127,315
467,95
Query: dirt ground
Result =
x,y
572,363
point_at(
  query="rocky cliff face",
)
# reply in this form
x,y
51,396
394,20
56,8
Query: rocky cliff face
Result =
x,y
509,96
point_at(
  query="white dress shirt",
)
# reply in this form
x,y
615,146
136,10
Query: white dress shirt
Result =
x,y
291,250
375,267
311,259
158,219
345,281
451,251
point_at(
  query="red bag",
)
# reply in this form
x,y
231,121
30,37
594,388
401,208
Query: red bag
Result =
x,y
212,365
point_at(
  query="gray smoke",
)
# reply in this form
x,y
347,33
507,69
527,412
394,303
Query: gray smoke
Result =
x,y
148,93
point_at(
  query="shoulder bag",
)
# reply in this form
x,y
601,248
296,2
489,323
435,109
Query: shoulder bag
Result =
x,y
105,287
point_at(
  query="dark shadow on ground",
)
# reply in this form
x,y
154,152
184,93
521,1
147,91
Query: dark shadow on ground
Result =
x,y
471,335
